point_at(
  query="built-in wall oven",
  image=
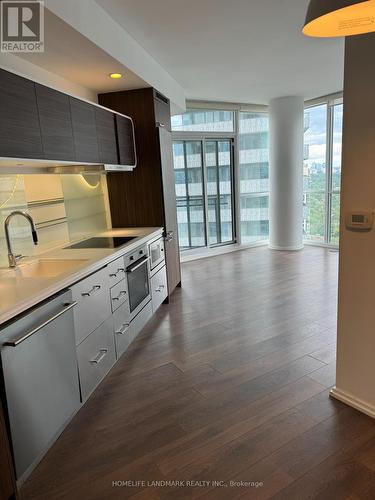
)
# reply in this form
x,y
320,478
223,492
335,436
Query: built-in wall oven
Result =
x,y
137,272
156,252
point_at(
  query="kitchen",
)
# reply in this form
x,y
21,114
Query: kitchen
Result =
x,y
70,311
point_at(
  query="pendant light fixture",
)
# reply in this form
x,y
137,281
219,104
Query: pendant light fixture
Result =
x,y
331,18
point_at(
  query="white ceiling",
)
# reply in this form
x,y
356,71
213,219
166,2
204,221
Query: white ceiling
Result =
x,y
234,50
72,56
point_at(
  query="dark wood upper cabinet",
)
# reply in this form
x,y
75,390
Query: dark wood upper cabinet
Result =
x,y
84,131
38,122
106,132
55,124
125,140
19,123
162,111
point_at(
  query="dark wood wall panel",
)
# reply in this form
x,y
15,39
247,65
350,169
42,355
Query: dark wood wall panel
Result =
x,y
146,196
136,197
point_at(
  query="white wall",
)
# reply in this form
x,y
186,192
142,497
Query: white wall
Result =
x,y
24,68
356,321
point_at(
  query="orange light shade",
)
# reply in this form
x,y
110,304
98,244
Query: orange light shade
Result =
x,y
339,18
115,76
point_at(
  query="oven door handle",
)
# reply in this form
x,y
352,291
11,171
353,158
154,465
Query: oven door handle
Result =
x,y
137,264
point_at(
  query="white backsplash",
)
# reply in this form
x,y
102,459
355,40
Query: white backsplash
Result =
x,y
64,207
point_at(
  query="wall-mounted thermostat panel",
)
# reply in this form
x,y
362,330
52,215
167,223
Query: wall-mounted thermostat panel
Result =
x,y
359,221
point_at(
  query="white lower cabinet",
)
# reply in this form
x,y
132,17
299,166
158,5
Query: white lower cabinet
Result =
x,y
88,325
96,356
93,303
38,356
159,288
124,336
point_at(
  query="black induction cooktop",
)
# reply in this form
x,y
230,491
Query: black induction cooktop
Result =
x,y
103,242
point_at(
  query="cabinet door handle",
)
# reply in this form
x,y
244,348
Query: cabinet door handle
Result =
x,y
114,275
94,289
15,343
121,294
160,288
99,357
123,329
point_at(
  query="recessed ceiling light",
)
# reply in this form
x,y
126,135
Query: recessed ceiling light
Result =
x,y
115,76
339,18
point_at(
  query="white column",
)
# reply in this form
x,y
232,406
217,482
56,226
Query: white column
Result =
x,y
286,173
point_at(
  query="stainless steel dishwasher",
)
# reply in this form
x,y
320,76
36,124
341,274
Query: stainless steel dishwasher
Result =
x,y
39,364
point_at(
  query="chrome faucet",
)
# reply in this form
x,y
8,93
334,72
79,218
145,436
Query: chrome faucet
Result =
x,y
11,257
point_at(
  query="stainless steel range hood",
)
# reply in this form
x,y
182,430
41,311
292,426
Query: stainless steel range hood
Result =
x,y
31,166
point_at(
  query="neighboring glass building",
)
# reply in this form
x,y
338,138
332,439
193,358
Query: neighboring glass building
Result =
x,y
254,177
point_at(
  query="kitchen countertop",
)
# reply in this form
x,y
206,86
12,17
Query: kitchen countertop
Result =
x,y
19,293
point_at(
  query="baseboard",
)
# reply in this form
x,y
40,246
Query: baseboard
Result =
x,y
352,401
185,256
286,249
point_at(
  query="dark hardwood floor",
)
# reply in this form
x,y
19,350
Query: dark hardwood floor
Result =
x,y
230,382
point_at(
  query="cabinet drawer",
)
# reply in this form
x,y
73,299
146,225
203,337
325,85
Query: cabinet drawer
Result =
x,y
96,356
159,290
119,294
121,317
116,271
93,303
126,335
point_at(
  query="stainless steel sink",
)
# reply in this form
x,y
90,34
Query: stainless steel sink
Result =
x,y
46,268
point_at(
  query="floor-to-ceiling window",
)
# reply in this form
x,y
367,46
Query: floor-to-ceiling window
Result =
x,y
322,172
222,175
188,164
203,150
218,189
253,172
219,168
